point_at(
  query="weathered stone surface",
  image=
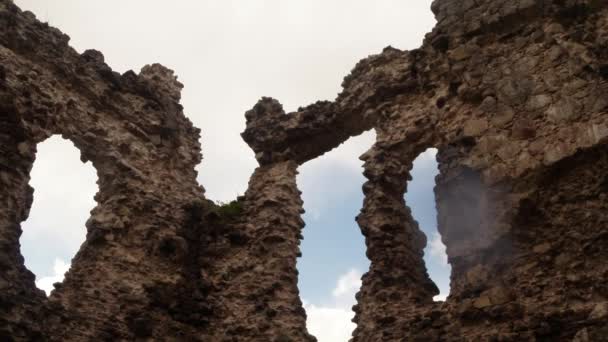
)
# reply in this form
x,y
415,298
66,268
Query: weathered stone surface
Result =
x,y
511,93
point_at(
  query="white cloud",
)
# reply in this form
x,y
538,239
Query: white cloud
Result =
x,y
60,267
348,283
329,324
437,250
332,322
430,155
440,297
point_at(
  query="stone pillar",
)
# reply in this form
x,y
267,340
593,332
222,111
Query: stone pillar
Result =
x,y
259,289
397,280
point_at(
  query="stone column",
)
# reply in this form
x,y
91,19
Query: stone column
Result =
x,y
259,289
397,280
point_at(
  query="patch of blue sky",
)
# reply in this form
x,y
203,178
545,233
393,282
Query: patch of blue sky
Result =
x,y
333,243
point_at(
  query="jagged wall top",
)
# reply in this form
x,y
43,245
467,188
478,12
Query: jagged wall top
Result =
x,y
513,95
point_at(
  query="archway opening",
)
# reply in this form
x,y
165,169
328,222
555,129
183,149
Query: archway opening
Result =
x,y
333,249
420,198
64,190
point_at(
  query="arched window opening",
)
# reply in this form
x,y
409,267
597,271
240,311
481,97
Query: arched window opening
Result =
x,y
333,250
421,199
64,190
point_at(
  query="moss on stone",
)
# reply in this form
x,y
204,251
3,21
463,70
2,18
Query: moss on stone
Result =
x,y
228,211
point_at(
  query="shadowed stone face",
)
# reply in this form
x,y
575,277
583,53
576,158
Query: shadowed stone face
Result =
x,y
511,93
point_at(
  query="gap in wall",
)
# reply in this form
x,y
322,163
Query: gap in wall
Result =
x,y
333,250
420,197
64,190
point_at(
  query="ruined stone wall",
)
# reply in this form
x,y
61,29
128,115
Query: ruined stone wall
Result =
x,y
513,94
131,127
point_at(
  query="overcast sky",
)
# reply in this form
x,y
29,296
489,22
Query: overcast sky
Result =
x,y
228,54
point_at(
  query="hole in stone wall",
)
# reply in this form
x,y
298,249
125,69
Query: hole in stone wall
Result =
x,y
333,250
420,198
64,190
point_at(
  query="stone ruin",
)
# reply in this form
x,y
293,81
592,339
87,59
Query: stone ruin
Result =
x,y
512,93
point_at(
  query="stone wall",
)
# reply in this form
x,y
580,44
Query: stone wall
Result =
x,y
511,93
131,127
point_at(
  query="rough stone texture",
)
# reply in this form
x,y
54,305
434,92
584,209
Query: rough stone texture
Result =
x,y
513,94
131,127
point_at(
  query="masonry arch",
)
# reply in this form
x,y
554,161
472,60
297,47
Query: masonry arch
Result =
x,y
64,190
397,279
333,250
420,198
110,149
